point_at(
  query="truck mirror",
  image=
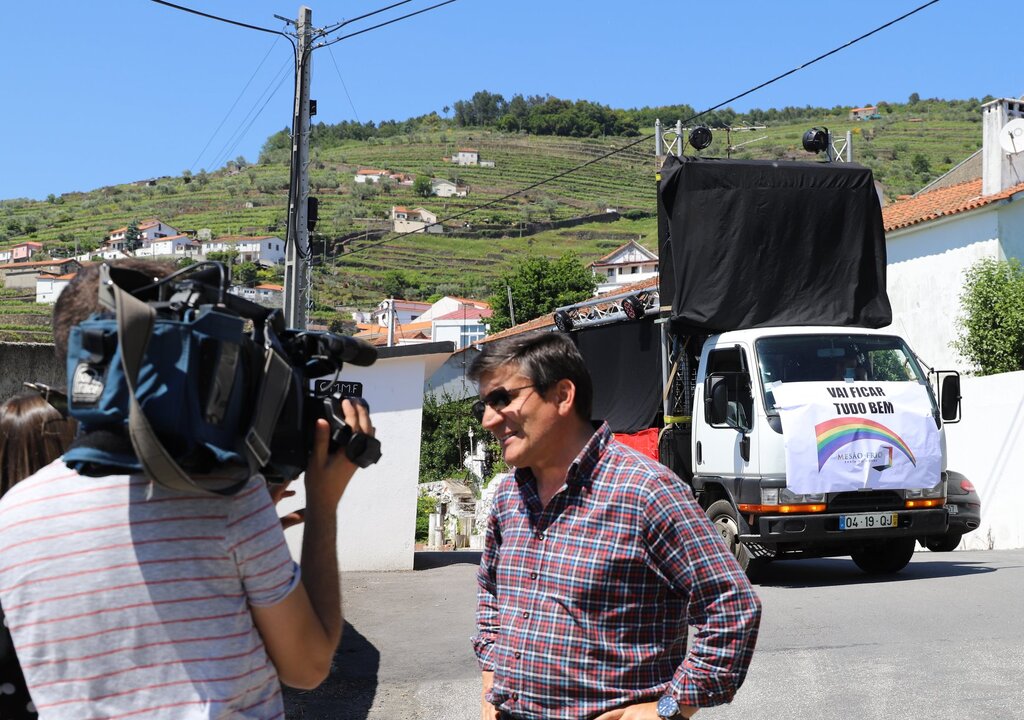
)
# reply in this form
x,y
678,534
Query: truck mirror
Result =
x,y
950,398
716,399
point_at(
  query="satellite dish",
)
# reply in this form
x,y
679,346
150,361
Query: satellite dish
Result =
x,y
1011,137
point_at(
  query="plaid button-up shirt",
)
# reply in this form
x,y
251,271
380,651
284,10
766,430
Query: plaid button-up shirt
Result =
x,y
583,606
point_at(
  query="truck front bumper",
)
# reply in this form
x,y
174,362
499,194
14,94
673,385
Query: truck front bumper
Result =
x,y
822,529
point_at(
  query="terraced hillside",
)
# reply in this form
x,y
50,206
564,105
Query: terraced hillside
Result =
x,y
492,227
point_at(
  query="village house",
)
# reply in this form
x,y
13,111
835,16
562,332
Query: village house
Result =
x,y
446,188
266,294
49,286
406,220
149,230
370,175
261,249
459,320
466,156
25,274
864,113
402,178
23,252
175,246
626,264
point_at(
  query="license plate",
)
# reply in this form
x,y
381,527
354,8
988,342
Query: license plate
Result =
x,y
952,509
869,521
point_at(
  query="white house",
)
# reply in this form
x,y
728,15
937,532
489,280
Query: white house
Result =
x,y
266,294
624,265
466,156
460,321
50,285
262,249
370,175
5,256
932,238
149,230
411,220
446,188
175,246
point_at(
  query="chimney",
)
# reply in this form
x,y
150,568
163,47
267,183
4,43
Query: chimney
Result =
x,y
999,170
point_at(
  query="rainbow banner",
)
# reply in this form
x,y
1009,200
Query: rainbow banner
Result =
x,y
842,436
834,434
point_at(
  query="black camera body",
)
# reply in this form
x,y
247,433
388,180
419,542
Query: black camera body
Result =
x,y
199,388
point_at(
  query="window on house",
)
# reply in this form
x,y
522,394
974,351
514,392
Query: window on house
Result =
x,y
634,270
611,272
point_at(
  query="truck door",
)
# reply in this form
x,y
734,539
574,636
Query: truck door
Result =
x,y
721,449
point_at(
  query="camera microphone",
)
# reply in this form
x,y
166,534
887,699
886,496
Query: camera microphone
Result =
x,y
352,350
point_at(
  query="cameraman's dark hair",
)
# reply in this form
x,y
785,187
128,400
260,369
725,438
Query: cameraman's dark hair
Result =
x,y
80,298
544,357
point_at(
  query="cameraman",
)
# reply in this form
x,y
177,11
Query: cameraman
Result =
x,y
128,599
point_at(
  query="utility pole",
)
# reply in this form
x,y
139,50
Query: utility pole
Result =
x,y
296,266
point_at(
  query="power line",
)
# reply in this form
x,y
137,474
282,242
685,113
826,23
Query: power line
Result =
x,y
233,105
343,85
239,134
343,23
644,138
390,22
221,19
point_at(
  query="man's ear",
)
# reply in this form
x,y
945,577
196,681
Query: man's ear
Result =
x,y
565,396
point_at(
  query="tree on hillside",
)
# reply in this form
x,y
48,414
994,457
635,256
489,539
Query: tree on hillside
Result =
x,y
991,326
539,285
422,186
132,236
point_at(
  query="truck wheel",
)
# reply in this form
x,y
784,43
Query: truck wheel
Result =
x,y
723,516
943,543
885,557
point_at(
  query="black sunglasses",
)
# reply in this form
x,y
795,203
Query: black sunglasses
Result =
x,y
497,399
56,397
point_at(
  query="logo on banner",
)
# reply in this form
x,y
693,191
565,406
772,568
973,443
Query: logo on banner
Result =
x,y
833,435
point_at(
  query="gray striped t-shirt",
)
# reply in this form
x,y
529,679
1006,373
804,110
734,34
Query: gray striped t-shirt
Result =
x,y
131,601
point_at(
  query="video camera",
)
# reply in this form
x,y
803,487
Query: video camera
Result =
x,y
199,388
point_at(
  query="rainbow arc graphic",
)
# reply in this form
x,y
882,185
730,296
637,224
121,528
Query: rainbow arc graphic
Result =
x,y
834,434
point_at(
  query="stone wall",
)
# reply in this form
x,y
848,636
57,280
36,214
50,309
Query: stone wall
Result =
x,y
28,362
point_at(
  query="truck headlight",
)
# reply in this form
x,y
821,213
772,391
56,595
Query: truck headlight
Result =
x,y
936,491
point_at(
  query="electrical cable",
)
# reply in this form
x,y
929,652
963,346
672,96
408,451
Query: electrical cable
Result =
x,y
343,85
221,19
343,23
270,92
233,105
391,22
644,138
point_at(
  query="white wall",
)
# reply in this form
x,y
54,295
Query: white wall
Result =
x,y
988,447
924,278
377,515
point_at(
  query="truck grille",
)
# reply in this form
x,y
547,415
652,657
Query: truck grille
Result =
x,y
866,501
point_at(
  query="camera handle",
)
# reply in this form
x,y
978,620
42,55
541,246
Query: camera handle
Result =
x,y
361,449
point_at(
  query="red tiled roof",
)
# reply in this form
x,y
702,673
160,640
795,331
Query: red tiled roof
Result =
x,y
941,203
38,263
476,303
467,313
371,171
33,243
269,286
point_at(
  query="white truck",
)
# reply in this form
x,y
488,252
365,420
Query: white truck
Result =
x,y
759,362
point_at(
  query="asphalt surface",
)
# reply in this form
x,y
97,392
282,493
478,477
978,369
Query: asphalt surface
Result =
x,y
944,638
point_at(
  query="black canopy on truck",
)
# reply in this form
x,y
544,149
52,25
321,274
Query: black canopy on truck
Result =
x,y
753,243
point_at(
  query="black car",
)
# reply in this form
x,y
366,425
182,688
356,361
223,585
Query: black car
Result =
x,y
963,510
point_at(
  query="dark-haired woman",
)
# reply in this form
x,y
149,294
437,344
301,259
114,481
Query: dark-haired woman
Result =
x,y
33,433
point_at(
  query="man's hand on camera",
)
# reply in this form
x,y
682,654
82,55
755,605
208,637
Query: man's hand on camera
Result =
x,y
327,475
280,491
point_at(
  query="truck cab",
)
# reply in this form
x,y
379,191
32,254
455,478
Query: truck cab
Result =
x,y
739,454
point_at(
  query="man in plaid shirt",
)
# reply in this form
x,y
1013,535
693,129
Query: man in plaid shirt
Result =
x,y
596,561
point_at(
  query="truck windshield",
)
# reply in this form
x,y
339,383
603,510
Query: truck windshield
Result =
x,y
825,358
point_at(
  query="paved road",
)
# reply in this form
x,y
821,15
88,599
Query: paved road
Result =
x,y
944,639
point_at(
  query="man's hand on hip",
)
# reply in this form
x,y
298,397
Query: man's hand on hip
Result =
x,y
642,711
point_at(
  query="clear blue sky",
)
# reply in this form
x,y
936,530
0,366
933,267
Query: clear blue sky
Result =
x,y
103,93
